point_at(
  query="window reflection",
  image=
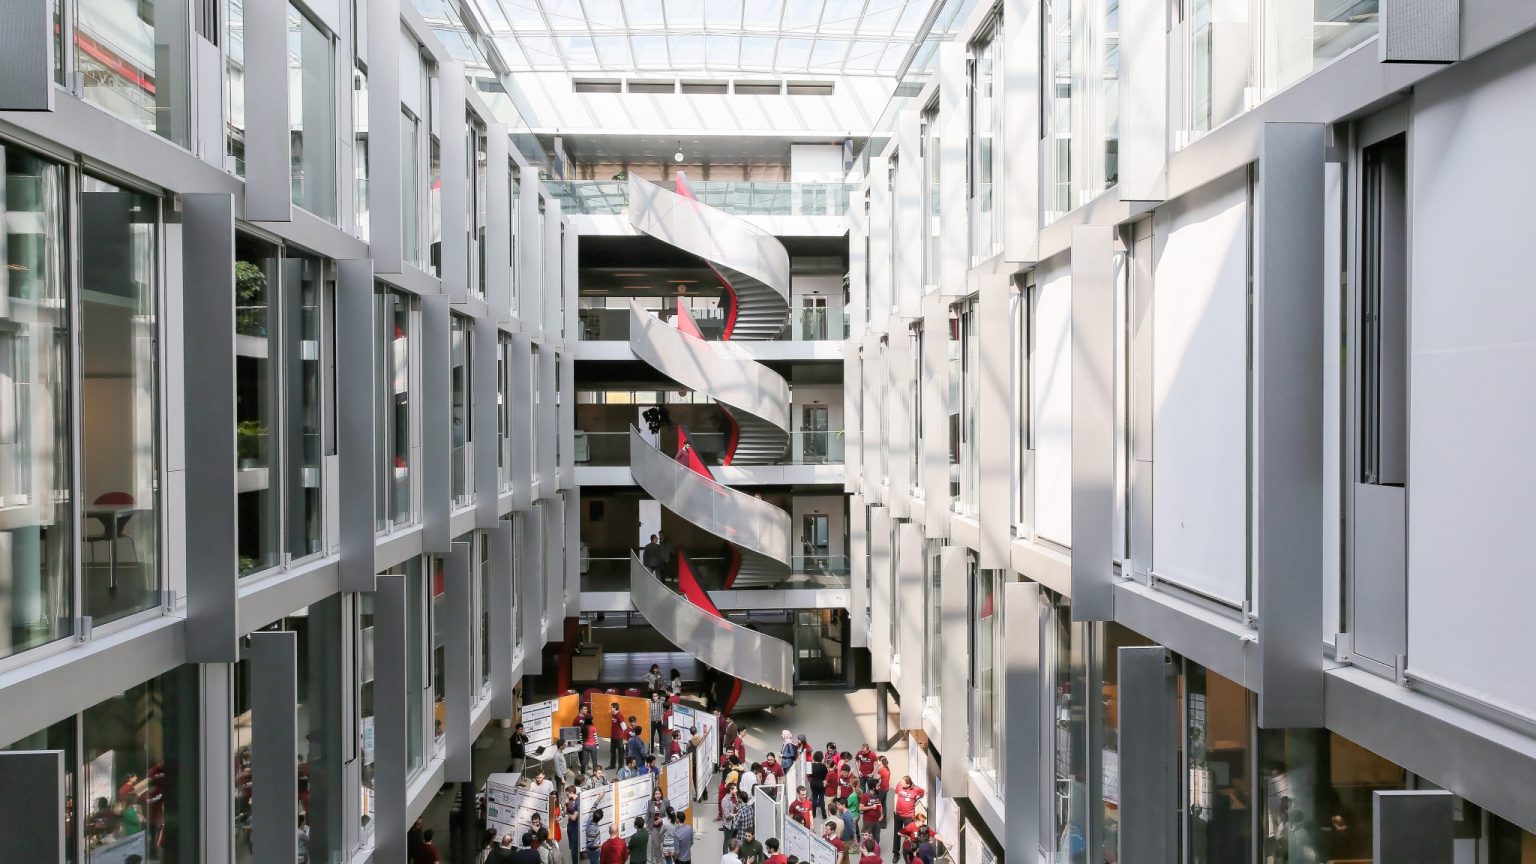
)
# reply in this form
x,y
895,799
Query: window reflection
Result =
x,y
119,359
257,278
392,425
35,486
1317,790
311,116
132,58
462,431
1218,718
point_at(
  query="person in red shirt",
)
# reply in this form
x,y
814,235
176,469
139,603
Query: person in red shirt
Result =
x,y
831,831
883,774
740,748
866,760
835,790
907,796
800,808
870,854
870,810
772,766
774,855
830,756
618,734
614,850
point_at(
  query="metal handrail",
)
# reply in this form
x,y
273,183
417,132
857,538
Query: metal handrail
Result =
x,y
711,234
720,369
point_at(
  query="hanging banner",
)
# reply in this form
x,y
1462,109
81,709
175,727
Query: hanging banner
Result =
x,y
590,801
679,784
801,842
630,797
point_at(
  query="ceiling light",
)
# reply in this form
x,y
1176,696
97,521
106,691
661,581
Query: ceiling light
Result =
x,y
678,156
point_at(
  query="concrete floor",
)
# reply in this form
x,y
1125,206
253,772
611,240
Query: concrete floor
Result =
x,y
822,715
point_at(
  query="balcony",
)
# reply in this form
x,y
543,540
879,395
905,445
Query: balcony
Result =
x,y
743,198
606,319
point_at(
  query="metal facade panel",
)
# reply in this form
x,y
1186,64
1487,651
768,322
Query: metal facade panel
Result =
x,y
935,394
1024,757
1149,774
485,386
898,426
530,246
1140,468
458,647
26,56
544,421
880,553
436,424
390,700
208,338
498,231
1143,103
996,426
1420,31
273,657
570,554
1414,826
268,148
907,204
505,607
384,121
858,571
552,547
454,194
32,792
1021,128
1288,410
954,155
1093,443
955,631
530,559
354,421
910,562
853,419
1378,591
521,419
879,263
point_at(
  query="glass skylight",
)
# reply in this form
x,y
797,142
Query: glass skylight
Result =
x,y
706,37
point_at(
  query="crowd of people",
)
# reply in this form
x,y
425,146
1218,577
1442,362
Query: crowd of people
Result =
x,y
847,798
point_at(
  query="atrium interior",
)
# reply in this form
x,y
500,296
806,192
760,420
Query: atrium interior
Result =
x,y
1103,420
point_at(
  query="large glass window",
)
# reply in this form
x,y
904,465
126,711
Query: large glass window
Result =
x,y
461,390
1067,648
363,673
312,115
986,648
969,394
482,580
1218,720
394,427
437,658
35,445
1056,104
514,226
119,243
141,772
360,149
1219,73
932,198
1317,790
934,650
479,162
985,156
915,399
410,189
310,364
503,412
1110,83
132,58
1301,37
234,85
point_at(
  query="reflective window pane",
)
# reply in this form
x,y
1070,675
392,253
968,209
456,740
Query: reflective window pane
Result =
x,y
234,84
307,361
1218,723
392,425
463,460
36,540
118,245
311,116
132,58
364,675
141,772
257,278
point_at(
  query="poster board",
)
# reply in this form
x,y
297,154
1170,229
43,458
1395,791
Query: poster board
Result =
x,y
542,720
629,706
509,808
589,801
801,842
630,797
677,783
767,814
707,760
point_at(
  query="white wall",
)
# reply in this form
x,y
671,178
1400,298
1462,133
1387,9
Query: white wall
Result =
x,y
1199,390
816,163
1472,364
1051,388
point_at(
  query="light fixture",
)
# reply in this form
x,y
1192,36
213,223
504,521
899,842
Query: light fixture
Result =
x,y
678,156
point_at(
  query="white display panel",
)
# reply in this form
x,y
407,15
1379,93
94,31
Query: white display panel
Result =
x,y
1200,391
1471,465
1051,390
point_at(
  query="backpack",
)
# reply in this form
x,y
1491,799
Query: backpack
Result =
x,y
668,844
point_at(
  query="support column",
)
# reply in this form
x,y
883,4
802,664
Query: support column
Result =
x,y
384,121
485,383
858,571
1023,761
505,607
531,559
32,805
436,423
454,192
1149,777
909,637
273,659
880,596
268,148
955,632
1413,827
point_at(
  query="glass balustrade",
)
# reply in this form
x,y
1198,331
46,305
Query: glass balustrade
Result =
x,y
743,198
611,573
611,449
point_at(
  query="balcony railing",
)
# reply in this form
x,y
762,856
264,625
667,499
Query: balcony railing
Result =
x,y
611,449
606,319
743,198
806,571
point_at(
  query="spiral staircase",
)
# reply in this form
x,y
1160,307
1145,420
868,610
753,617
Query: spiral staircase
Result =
x,y
753,268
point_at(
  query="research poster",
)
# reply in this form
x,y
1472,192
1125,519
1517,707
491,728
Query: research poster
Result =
x,y
631,796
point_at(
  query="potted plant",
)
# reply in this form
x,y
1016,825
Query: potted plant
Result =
x,y
248,440
250,308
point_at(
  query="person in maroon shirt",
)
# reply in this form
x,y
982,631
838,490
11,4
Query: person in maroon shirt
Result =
x,y
866,760
883,773
774,855
772,766
830,756
835,790
870,811
870,854
614,850
831,831
617,736
800,808
907,796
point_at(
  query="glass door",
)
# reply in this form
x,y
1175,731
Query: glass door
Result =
x,y
813,317
814,421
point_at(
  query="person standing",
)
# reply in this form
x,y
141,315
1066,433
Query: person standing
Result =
x,y
653,680
883,785
658,714
675,684
818,785
751,850
650,555
588,744
684,833
774,855
870,810
867,761
635,748
630,769
591,837
801,808
519,750
303,841
731,849
614,850
427,851
573,823
869,854
528,853
638,842
908,794
617,736
787,749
